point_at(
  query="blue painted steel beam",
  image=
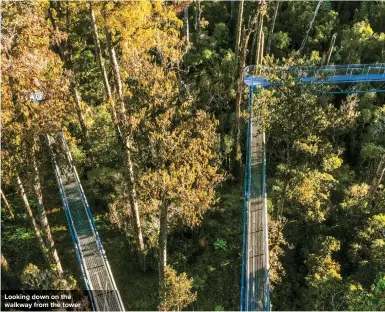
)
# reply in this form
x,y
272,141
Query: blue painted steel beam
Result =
x,y
326,75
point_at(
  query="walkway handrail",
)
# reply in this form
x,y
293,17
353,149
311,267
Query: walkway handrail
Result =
x,y
251,69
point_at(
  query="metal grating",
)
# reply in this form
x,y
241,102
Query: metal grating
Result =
x,y
255,290
94,266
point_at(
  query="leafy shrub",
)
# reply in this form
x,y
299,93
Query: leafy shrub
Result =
x,y
176,292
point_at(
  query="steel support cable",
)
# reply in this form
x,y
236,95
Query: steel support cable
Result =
x,y
266,226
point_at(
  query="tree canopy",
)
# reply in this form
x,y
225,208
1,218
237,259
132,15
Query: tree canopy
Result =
x,y
151,99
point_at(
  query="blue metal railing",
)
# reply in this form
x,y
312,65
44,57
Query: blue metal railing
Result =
x,y
246,193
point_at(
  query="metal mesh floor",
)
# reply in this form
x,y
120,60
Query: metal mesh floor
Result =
x,y
256,292
256,237
99,280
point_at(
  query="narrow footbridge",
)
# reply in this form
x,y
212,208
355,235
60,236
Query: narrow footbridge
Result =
x,y
92,260
332,79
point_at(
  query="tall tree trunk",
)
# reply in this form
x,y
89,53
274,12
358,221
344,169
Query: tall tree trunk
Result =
x,y
163,233
236,148
238,32
259,51
5,266
186,28
310,27
132,197
380,172
272,28
331,47
115,71
7,205
31,218
43,217
106,82
197,15
254,42
99,54
231,23
79,109
129,172
73,88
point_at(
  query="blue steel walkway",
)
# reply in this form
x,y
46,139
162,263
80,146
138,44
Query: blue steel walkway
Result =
x,y
357,78
94,266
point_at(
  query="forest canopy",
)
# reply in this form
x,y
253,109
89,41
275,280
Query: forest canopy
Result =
x,y
148,99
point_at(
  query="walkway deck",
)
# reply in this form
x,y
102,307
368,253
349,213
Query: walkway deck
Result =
x,y
94,266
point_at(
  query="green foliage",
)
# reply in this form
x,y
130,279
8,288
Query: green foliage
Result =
x,y
281,40
220,244
364,300
371,151
176,292
332,163
219,308
35,279
358,39
198,283
20,234
221,34
326,236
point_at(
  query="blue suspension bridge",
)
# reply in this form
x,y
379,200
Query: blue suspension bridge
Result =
x,y
330,79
